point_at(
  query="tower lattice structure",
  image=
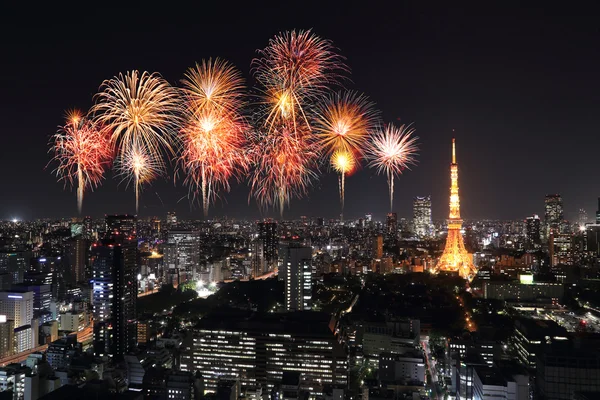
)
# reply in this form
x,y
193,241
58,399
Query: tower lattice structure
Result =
x,y
455,257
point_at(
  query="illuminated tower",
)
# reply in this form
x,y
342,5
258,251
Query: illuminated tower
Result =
x,y
455,257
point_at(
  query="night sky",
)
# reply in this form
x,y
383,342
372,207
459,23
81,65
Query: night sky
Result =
x,y
520,87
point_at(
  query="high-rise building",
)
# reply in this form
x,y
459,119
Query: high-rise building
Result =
x,y
267,234
297,262
122,225
182,252
532,232
15,263
423,225
257,350
377,247
7,336
17,307
598,212
114,295
554,214
455,257
76,257
171,219
42,298
88,229
560,248
391,224
582,219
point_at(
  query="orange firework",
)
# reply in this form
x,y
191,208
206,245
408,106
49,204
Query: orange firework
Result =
x,y
142,111
284,166
344,122
295,68
393,150
82,150
213,134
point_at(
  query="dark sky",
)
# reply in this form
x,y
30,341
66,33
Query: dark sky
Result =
x,y
520,86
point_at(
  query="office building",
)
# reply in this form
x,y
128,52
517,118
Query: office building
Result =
x,y
582,219
533,238
7,337
76,257
493,383
12,377
523,291
407,367
377,247
422,223
114,295
258,349
554,214
120,225
297,262
15,263
73,322
42,299
17,306
560,247
171,219
531,334
25,338
267,235
182,252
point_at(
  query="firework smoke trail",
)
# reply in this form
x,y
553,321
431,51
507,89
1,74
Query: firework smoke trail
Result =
x,y
142,111
214,130
138,166
391,151
82,150
344,162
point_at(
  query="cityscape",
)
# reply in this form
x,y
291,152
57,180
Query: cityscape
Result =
x,y
205,257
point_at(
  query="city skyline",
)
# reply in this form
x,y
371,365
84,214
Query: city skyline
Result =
x,y
507,127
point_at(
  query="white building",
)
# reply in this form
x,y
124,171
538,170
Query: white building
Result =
x,y
73,322
17,307
24,338
423,226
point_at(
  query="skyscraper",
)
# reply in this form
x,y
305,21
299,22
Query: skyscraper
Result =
x,y
182,252
554,215
422,216
76,256
115,289
377,247
297,261
455,257
532,232
582,219
17,306
267,234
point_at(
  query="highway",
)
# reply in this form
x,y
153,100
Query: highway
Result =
x,y
433,385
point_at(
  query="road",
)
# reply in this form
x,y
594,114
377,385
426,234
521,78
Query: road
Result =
x,y
433,386
265,276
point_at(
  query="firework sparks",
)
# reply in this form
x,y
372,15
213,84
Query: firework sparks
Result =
x,y
213,135
393,150
344,122
138,166
295,68
284,166
142,112
82,151
343,162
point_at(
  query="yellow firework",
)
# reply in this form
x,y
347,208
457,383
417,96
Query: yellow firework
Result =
x,y
142,112
344,162
344,122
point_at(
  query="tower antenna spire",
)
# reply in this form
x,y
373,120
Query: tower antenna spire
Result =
x,y
453,151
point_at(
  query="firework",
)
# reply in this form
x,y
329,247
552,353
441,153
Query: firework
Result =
x,y
82,151
137,166
213,134
142,112
295,68
284,166
393,150
343,162
344,122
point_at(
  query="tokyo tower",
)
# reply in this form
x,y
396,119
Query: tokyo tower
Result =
x,y
455,257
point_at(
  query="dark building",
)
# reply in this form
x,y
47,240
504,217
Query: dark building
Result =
x,y
76,256
554,214
391,224
532,232
267,235
123,225
114,265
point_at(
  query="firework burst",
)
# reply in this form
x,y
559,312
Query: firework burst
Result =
x,y
138,166
295,68
343,162
213,134
284,166
344,122
142,111
82,151
391,151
